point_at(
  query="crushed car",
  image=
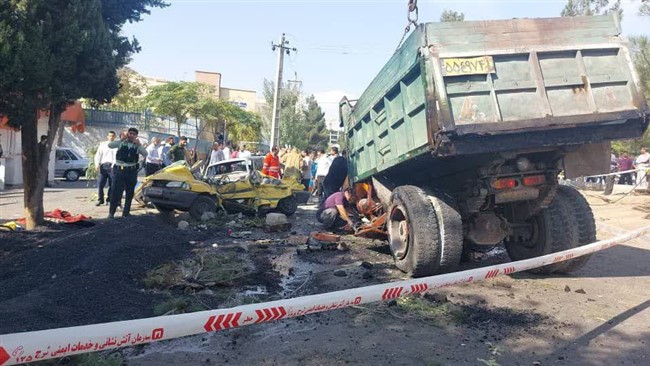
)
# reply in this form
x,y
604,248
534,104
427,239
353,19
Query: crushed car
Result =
x,y
236,185
243,188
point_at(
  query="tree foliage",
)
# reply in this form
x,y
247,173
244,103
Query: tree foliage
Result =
x,y
644,9
51,53
317,132
452,16
640,49
591,7
219,115
131,92
302,122
178,99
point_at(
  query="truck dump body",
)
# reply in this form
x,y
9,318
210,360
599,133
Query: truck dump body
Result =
x,y
463,88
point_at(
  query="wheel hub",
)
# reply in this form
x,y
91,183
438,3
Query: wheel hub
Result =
x,y
398,232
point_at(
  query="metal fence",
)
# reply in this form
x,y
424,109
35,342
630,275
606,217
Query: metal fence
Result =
x,y
145,120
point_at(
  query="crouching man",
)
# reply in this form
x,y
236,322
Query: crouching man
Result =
x,y
332,213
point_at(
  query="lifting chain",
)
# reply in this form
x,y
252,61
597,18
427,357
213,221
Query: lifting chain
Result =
x,y
412,17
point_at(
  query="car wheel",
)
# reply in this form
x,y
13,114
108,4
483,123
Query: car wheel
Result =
x,y
72,175
201,205
288,205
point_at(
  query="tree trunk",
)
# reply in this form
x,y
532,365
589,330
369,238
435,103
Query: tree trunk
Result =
x,y
35,161
178,129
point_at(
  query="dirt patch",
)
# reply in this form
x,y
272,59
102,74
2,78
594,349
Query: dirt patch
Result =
x,y
76,276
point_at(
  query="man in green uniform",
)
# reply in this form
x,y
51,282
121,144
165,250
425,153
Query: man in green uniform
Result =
x,y
125,170
178,152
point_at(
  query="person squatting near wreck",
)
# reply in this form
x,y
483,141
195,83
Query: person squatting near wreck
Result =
x,y
333,211
125,170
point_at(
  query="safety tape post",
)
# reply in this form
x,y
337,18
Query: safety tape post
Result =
x,y
53,343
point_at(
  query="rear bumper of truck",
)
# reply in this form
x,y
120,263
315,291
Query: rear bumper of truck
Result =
x,y
626,126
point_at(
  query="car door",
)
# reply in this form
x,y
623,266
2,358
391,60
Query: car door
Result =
x,y
63,162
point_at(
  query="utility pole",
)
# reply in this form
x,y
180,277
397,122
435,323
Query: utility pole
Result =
x,y
283,46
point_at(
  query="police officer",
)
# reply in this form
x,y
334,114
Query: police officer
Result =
x,y
125,170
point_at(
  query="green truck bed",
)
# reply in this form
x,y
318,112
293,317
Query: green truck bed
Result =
x,y
461,88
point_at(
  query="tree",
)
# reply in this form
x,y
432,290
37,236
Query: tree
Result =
x,y
591,7
644,9
640,49
292,120
131,90
53,52
451,16
178,100
317,132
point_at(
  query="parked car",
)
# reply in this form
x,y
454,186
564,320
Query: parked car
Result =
x,y
69,164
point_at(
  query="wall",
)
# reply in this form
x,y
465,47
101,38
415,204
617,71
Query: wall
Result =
x,y
245,99
12,157
210,78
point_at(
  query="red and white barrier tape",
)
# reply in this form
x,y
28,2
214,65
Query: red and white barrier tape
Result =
x,y
45,344
617,173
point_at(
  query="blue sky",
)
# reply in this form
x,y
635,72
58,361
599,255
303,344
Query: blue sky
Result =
x,y
341,44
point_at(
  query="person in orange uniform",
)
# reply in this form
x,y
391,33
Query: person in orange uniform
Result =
x,y
272,163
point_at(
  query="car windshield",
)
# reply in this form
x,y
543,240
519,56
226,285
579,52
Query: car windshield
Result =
x,y
227,168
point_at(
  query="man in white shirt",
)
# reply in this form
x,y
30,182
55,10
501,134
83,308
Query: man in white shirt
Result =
x,y
322,169
217,154
642,162
164,149
244,153
104,160
154,160
226,150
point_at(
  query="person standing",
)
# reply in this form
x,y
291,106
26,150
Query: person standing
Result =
x,y
165,149
243,152
154,161
642,162
226,150
178,152
324,163
217,154
625,164
293,164
609,179
306,169
125,170
272,163
337,173
104,160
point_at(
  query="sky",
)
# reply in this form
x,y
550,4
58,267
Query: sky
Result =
x,y
341,44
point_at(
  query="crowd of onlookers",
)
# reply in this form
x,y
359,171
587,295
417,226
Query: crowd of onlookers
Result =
x,y
632,170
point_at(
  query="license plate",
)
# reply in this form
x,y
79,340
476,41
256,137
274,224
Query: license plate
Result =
x,y
467,66
154,191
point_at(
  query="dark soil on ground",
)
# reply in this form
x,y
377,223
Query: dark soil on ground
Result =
x,y
65,275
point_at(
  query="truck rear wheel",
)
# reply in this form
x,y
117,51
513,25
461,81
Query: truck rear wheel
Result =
x,y
425,233
552,230
583,219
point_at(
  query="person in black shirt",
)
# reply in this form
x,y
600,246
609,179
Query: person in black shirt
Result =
x,y
125,170
336,176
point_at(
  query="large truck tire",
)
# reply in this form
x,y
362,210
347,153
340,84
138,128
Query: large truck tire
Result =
x,y
583,219
425,232
553,230
450,228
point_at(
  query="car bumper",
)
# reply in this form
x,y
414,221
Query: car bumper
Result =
x,y
171,198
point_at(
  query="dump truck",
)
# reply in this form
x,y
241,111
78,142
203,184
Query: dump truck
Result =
x,y
463,134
